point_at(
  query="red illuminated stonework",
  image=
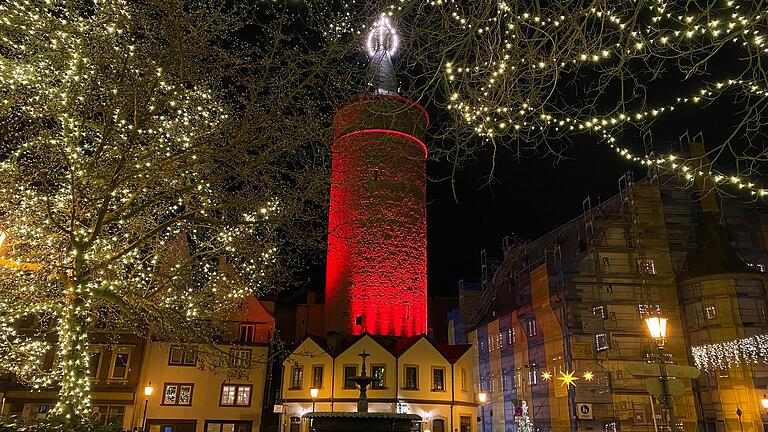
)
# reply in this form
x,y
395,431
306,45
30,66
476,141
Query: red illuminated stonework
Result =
x,y
376,276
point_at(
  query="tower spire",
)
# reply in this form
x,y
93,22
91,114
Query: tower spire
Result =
x,y
381,44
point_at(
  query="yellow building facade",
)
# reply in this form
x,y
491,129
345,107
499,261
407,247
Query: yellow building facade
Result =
x,y
416,377
194,387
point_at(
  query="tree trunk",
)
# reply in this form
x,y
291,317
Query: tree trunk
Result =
x,y
74,395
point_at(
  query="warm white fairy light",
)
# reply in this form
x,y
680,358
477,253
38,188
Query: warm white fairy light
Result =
x,y
725,355
108,194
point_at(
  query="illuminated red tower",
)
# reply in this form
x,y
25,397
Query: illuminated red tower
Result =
x,y
376,275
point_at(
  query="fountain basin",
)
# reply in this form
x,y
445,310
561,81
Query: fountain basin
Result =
x,y
361,421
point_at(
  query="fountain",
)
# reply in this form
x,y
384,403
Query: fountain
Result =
x,y
362,420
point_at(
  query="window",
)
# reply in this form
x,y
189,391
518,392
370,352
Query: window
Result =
x,y
465,423
377,371
120,360
182,356
349,373
601,342
438,379
240,358
648,309
532,327
533,377
464,379
610,427
438,425
247,333
177,394
710,312
647,266
236,395
317,377
111,415
295,424
94,362
599,311
297,376
411,377
228,426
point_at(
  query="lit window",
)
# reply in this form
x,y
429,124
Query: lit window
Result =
x,y
240,358
601,341
121,358
532,327
297,376
349,373
610,427
177,394
182,356
710,312
236,395
599,311
533,377
464,379
438,379
648,309
647,266
411,377
317,377
377,371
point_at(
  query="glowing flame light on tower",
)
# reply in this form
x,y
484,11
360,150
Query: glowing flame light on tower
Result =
x,y
381,44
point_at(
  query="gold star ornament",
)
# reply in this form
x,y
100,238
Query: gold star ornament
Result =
x,y
588,376
546,376
567,379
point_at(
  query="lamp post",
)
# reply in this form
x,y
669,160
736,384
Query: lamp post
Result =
x,y
482,397
147,393
314,391
657,326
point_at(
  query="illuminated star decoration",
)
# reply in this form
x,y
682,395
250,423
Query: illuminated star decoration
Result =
x,y
588,376
567,379
546,375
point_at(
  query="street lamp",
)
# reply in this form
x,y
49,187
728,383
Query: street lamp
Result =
x,y
657,327
482,397
314,391
147,393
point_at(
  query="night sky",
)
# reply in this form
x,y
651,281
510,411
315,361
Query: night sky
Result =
x,y
528,198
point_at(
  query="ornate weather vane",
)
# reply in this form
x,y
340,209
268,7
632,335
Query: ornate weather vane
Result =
x,y
381,44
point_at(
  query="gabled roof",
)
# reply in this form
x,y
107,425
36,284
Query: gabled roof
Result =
x,y
397,346
453,353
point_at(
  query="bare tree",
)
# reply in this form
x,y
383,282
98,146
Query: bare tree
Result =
x,y
527,77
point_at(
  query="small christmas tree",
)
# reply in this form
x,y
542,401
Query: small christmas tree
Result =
x,y
525,424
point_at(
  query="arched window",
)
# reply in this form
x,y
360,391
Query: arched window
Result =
x,y
295,424
438,425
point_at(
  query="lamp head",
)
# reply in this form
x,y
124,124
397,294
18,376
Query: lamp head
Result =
x,y
482,397
657,326
314,392
148,390
764,401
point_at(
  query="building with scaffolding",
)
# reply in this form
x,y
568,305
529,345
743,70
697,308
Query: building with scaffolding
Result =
x,y
572,302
